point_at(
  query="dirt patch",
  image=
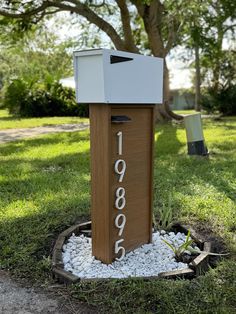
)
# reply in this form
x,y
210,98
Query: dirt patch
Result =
x,y
206,233
18,299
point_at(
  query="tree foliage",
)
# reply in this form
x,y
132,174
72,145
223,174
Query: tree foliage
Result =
x,y
46,101
149,26
224,98
209,24
30,66
161,25
37,57
152,18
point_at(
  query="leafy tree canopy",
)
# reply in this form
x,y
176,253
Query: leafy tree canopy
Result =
x,y
37,58
152,26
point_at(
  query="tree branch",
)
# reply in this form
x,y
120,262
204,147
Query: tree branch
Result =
x,y
173,30
22,15
153,21
73,6
43,14
125,18
229,27
139,6
88,2
92,17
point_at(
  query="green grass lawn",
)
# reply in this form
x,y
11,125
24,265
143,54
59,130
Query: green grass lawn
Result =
x,y
44,188
9,122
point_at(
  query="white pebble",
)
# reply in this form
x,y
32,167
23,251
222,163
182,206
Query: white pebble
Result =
x,y
148,260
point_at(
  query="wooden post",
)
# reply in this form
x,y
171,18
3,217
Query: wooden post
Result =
x,y
121,174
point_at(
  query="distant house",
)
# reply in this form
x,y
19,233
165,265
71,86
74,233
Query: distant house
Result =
x,y
181,86
181,99
68,82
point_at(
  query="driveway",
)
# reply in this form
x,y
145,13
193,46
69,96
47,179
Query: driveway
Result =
x,y
18,299
9,135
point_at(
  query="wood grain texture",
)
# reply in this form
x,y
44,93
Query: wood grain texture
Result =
x,y
138,155
138,142
100,134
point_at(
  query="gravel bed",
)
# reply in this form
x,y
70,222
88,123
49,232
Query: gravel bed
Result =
x,y
148,260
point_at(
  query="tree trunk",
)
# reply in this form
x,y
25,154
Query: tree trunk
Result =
x,y
197,80
160,112
163,111
218,57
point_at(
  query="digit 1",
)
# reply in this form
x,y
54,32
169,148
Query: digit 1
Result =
x,y
119,134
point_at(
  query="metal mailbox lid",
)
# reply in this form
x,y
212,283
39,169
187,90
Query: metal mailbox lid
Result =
x,y
111,76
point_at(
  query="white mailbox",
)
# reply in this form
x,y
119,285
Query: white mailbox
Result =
x,y
116,77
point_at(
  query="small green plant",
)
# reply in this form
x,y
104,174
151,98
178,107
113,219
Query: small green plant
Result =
x,y
186,246
180,250
45,264
165,216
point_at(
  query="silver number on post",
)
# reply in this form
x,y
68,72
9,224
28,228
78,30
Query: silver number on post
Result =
x,y
120,198
120,222
118,249
120,143
120,168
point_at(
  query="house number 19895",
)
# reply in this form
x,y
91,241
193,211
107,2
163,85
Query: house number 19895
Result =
x,y
120,201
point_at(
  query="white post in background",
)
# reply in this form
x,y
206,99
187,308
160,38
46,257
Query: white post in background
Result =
x,y
194,133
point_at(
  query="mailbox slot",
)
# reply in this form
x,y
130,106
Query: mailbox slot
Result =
x,y
120,119
118,59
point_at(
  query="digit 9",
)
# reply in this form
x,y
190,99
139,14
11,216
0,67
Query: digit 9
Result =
x,y
120,168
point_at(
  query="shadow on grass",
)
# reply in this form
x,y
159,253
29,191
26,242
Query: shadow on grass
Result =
x,y
167,142
39,199
27,241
